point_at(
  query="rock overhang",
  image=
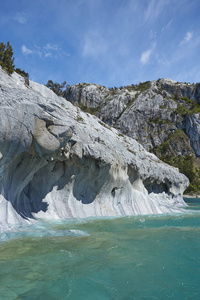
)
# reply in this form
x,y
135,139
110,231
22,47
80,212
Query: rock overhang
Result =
x,y
58,162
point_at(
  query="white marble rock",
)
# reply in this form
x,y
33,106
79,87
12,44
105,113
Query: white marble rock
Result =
x,y
59,162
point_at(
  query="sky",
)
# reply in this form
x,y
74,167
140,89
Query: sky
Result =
x,y
107,42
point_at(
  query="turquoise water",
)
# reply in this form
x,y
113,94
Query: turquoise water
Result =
x,y
151,257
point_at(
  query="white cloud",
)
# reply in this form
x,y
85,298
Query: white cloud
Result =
x,y
21,17
47,51
48,54
94,45
145,56
188,36
53,47
167,26
26,51
155,8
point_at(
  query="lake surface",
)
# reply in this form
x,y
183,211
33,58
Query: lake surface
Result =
x,y
145,257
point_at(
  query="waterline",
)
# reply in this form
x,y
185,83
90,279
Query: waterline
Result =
x,y
143,257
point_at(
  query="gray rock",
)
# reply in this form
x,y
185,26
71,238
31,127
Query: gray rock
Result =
x,y
181,89
89,95
148,115
59,162
193,131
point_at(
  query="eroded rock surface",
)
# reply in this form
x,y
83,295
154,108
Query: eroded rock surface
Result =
x,y
162,115
59,162
149,112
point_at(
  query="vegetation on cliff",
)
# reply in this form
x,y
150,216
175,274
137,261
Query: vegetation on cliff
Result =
x,y
170,152
6,58
154,113
7,61
57,88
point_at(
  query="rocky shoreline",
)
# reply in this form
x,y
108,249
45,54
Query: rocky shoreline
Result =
x,y
192,196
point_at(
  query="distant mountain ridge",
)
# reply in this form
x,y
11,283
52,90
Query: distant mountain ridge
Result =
x,y
162,115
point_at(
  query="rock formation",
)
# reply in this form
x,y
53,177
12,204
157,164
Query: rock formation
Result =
x,y
162,115
59,162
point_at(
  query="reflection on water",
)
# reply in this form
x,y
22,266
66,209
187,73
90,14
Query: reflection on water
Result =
x,y
144,257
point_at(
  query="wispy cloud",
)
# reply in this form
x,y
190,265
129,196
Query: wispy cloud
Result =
x,y
26,51
53,47
21,17
47,51
155,8
167,26
35,51
187,38
94,45
145,56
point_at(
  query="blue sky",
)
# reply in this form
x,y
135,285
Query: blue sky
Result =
x,y
109,42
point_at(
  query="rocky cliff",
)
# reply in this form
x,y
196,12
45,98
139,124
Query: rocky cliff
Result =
x,y
59,162
162,115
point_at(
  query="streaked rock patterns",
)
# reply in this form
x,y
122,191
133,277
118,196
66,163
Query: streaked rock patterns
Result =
x,y
59,162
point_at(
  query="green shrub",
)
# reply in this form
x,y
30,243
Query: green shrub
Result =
x,y
141,87
23,74
187,166
90,110
6,58
188,107
56,87
181,110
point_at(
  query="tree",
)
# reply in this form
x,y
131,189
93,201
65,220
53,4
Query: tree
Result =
x,y
2,50
6,58
56,87
23,74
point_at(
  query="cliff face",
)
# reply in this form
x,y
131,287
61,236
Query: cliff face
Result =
x,y
58,162
149,112
163,115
